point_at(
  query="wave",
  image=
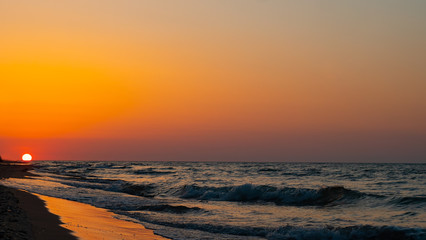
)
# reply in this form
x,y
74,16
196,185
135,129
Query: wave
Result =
x,y
349,233
170,208
295,232
279,196
143,190
269,170
111,185
119,167
151,171
409,200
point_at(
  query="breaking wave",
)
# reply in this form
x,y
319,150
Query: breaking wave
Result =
x,y
279,196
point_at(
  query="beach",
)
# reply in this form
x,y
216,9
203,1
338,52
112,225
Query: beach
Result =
x,y
24,215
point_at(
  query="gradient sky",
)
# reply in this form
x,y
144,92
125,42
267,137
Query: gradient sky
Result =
x,y
213,80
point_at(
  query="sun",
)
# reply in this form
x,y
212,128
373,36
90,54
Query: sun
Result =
x,y
27,157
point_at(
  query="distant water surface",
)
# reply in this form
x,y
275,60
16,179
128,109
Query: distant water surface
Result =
x,y
195,200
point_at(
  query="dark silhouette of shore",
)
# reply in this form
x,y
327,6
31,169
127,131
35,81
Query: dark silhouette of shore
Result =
x,y
23,215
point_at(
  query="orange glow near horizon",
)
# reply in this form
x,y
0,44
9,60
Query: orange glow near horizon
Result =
x,y
51,99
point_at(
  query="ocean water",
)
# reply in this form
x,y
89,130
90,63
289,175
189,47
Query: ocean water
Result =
x,y
195,200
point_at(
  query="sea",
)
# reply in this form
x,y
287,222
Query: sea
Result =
x,y
219,200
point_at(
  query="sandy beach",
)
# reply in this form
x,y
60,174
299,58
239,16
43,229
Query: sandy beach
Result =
x,y
24,215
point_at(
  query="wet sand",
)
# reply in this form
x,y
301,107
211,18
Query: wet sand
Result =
x,y
88,222
25,215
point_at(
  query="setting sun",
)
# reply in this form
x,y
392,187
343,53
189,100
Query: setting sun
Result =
x,y
27,157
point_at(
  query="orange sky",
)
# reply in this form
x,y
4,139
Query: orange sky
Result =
x,y
213,80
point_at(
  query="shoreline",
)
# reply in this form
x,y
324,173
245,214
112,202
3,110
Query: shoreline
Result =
x,y
89,222
26,215
44,224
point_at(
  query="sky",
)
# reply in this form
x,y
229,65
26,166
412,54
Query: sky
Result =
x,y
198,80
